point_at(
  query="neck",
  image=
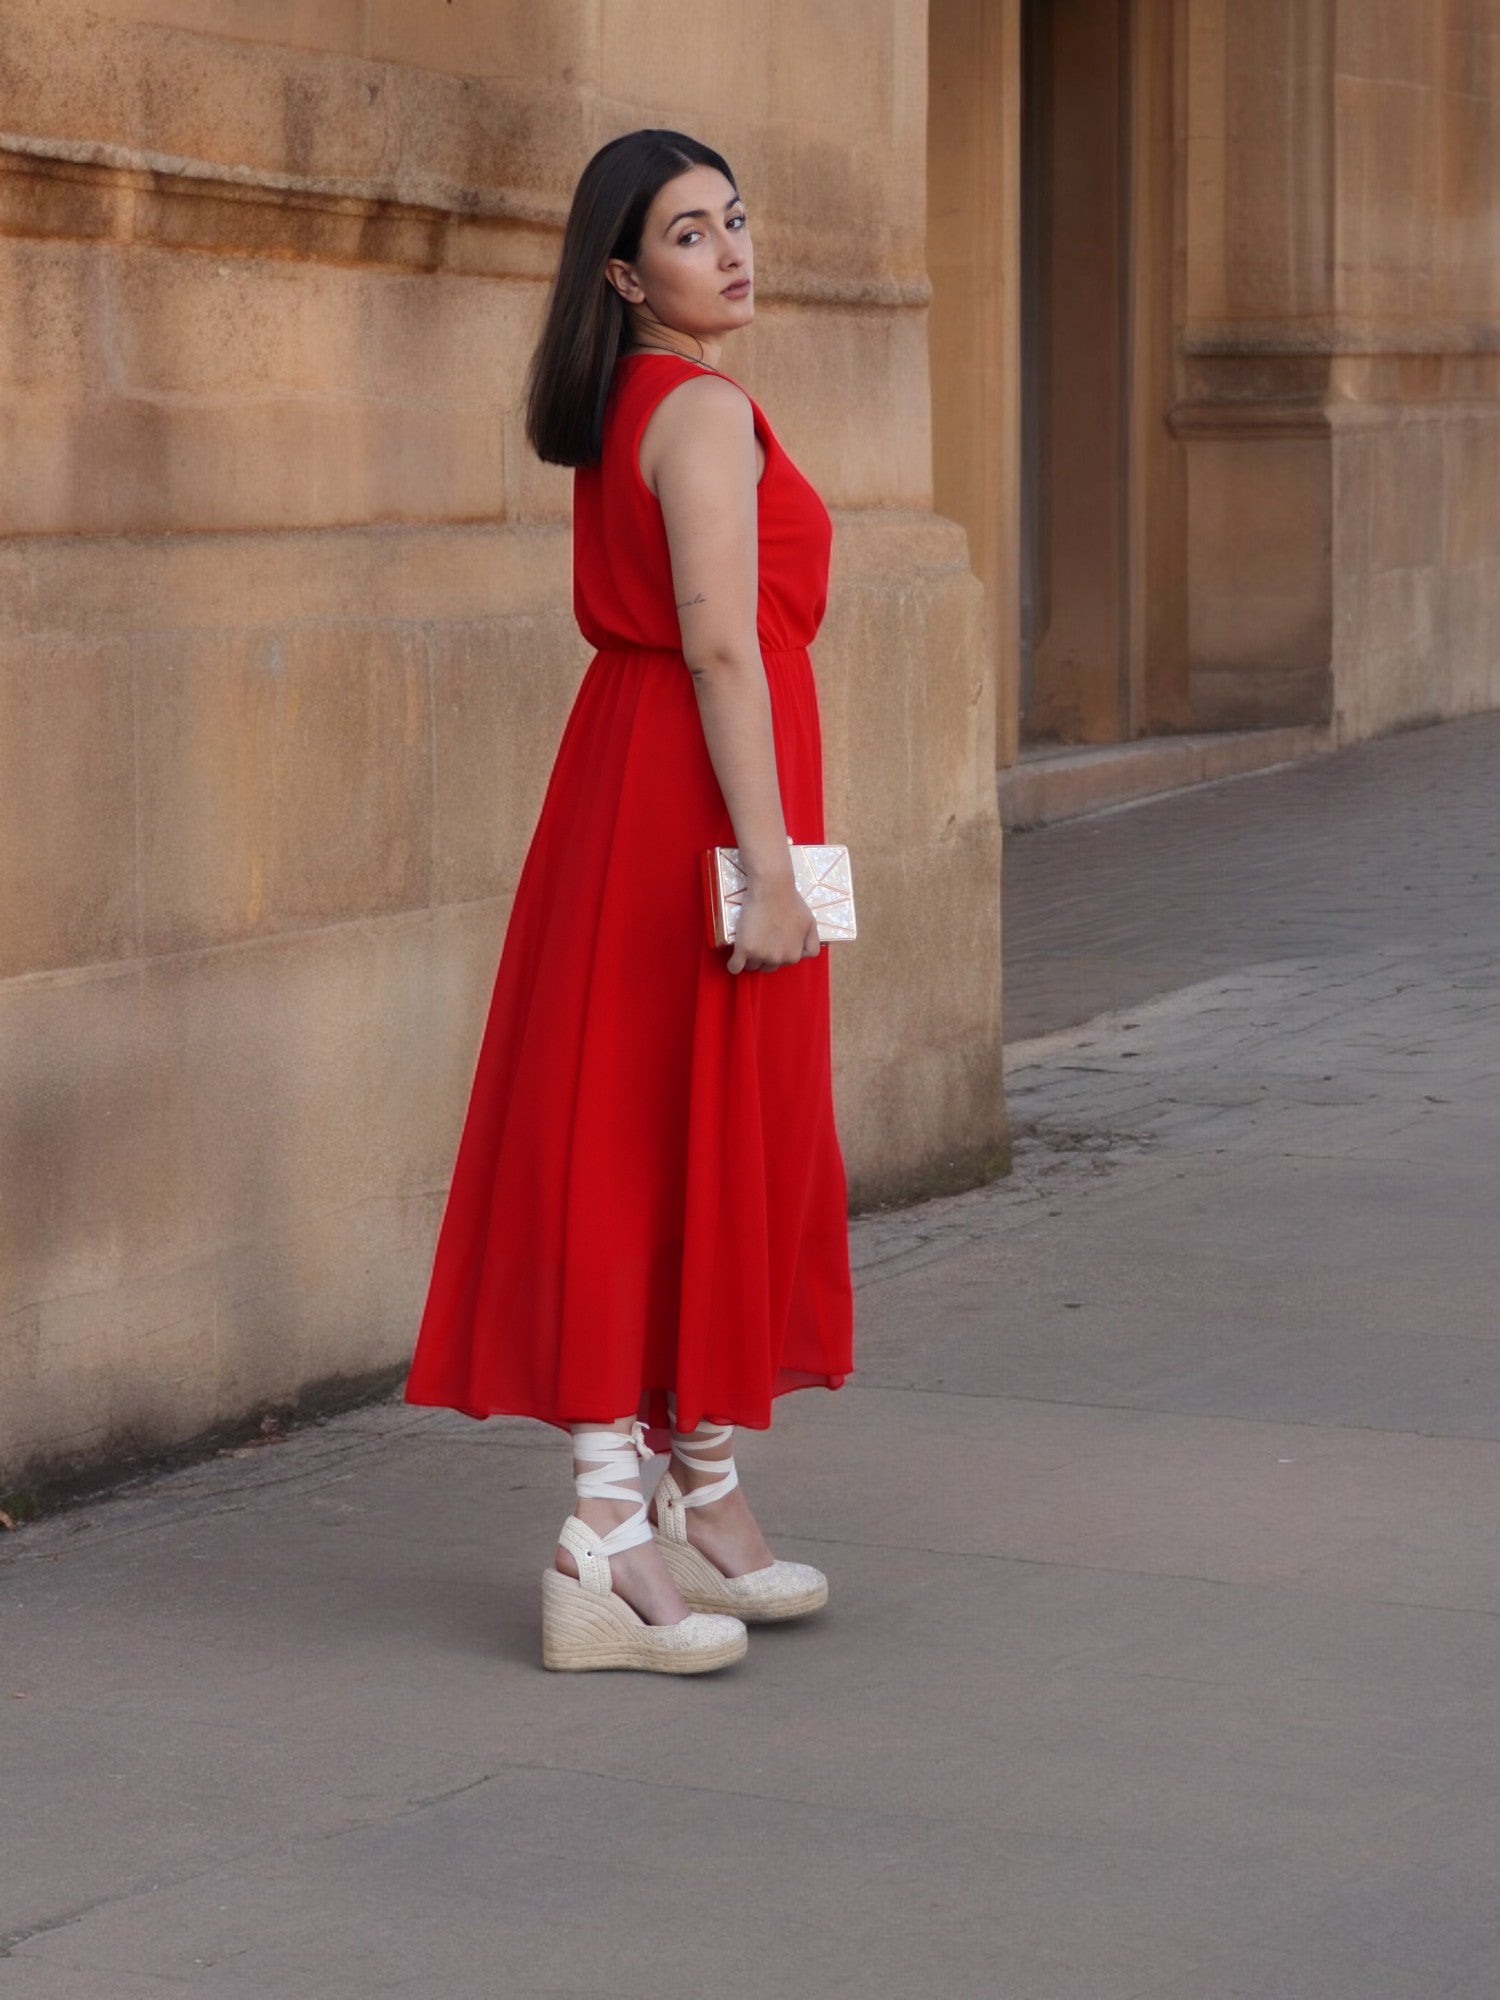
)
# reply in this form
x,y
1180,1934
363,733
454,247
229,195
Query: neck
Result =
x,y
666,340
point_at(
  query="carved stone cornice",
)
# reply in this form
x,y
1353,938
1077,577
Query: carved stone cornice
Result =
x,y
1339,335
1246,420
96,190
1304,389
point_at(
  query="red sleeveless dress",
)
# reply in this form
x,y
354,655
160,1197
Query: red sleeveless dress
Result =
x,y
649,1192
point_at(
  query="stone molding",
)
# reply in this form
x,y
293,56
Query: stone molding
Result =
x,y
412,190
367,571
1248,420
97,189
1338,335
1284,388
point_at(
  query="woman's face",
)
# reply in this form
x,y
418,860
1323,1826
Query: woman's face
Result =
x,y
694,271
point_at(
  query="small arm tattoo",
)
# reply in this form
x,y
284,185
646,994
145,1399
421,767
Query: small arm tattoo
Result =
x,y
699,599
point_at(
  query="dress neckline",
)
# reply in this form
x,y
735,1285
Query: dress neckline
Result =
x,y
639,353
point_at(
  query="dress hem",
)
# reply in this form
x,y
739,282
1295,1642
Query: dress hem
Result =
x,y
654,1428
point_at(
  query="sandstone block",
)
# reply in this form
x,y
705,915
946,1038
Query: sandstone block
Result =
x,y
284,781
67,802
229,1168
1259,541
336,26
491,38
704,60
176,583
502,688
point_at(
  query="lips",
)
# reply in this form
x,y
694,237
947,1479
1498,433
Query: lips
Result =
x,y
738,289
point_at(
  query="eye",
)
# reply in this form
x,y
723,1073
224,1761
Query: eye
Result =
x,y
740,221
687,236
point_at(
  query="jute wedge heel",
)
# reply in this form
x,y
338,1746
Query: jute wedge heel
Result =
x,y
584,1629
761,1597
586,1624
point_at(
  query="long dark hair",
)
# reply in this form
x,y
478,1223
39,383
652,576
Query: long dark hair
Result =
x,y
584,330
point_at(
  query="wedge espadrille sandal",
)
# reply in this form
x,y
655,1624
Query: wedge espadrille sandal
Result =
x,y
586,1624
762,1596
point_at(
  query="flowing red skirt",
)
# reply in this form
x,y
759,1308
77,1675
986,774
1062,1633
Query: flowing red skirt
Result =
x,y
649,1192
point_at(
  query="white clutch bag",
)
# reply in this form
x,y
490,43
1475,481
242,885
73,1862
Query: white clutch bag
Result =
x,y
823,881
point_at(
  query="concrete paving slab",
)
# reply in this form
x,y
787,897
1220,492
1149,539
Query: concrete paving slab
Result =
x,y
800,1884
1124,1733
1091,1349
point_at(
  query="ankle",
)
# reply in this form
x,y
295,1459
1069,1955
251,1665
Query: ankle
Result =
x,y
693,1482
686,1473
602,1515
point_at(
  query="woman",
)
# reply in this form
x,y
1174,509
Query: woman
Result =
x,y
646,1240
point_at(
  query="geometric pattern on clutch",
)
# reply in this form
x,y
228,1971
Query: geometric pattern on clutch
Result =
x,y
823,880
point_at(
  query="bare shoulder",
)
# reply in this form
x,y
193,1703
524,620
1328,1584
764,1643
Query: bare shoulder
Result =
x,y
706,415
711,401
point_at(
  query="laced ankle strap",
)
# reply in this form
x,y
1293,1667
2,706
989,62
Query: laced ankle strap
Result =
x,y
707,1437
619,1454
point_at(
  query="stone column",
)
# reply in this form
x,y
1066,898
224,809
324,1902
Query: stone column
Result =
x,y
1339,369
1258,279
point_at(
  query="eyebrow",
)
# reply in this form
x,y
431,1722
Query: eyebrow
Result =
x,y
699,214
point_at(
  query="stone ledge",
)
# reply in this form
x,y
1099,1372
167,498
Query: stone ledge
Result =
x,y
98,190
360,574
1248,420
1324,334
1050,785
414,190
173,582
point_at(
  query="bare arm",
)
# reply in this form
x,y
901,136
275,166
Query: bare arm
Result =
x,y
699,454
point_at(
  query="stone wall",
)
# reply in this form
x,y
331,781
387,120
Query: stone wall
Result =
x,y
286,643
1341,360
1415,406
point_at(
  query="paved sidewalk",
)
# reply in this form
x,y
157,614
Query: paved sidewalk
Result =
x,y
1388,846
1165,1644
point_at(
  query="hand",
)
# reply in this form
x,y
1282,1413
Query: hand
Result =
x,y
775,928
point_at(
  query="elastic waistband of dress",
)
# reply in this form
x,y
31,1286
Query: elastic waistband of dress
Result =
x,y
675,652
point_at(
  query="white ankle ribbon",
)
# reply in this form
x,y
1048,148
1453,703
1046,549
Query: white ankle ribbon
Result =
x,y
707,1437
620,1454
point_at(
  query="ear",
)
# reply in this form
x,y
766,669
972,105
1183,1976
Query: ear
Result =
x,y
622,276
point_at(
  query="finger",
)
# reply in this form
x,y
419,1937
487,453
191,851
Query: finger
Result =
x,y
737,959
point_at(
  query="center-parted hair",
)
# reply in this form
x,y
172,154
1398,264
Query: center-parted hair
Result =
x,y
584,331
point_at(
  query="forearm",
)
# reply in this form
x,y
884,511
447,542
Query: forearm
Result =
x,y
734,706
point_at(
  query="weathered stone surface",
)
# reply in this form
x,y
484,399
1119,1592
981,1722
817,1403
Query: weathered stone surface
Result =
x,y
1343,199
1259,580
223,1173
68,810
501,689
336,25
490,38
285,779
160,583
